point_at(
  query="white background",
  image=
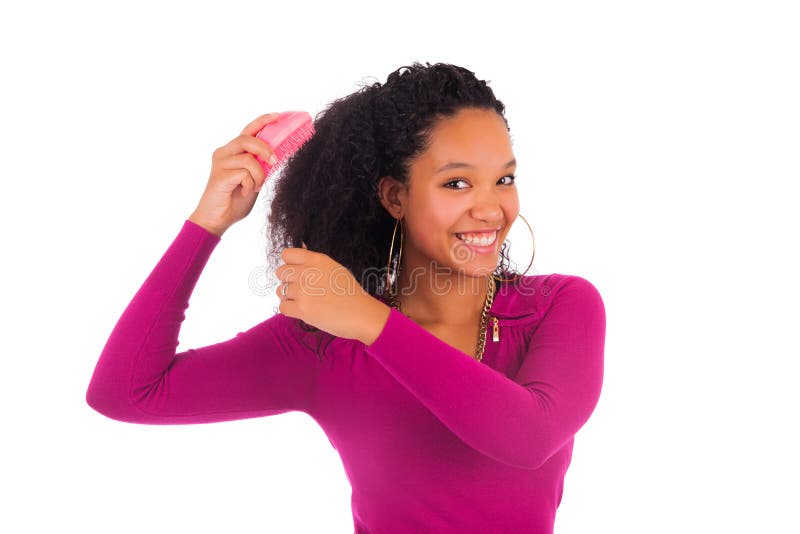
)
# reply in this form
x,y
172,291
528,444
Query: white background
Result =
x,y
658,158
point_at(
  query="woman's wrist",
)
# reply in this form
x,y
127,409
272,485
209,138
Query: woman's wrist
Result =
x,y
376,317
209,227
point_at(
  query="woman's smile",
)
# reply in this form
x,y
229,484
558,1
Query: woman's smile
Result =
x,y
480,243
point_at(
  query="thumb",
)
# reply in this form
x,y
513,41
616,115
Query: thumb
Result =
x,y
304,245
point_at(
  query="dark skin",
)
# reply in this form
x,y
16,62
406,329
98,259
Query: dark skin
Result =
x,y
443,283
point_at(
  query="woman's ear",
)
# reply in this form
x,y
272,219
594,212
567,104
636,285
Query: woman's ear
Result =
x,y
391,194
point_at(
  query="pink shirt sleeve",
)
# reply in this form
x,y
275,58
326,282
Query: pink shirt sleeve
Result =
x,y
520,421
139,378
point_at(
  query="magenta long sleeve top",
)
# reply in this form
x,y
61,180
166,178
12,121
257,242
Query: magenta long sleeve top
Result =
x,y
431,439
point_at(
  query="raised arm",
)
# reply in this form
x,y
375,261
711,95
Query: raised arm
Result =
x,y
139,378
520,421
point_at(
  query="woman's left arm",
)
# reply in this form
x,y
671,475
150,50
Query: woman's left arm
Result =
x,y
521,421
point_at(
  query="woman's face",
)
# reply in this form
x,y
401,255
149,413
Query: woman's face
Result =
x,y
478,195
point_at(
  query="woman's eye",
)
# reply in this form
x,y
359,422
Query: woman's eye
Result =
x,y
513,177
456,180
453,182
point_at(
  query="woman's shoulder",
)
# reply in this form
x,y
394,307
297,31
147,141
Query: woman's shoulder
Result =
x,y
529,297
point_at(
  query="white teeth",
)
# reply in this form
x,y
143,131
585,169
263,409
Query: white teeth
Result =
x,y
476,240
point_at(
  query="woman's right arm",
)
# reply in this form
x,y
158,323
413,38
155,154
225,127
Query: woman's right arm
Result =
x,y
139,378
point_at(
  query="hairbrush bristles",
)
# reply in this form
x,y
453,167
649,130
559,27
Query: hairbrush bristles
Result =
x,y
285,135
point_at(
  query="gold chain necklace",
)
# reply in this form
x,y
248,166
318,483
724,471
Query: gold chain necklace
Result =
x,y
394,303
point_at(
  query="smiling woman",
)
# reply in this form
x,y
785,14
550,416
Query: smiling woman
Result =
x,y
434,214
410,133
432,438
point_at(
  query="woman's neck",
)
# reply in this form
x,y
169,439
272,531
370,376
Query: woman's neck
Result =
x,y
452,300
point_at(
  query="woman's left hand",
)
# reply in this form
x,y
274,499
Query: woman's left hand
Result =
x,y
324,293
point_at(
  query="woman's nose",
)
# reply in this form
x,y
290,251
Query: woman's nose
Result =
x,y
488,209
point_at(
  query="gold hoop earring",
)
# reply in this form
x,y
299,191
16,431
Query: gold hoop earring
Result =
x,y
389,284
533,239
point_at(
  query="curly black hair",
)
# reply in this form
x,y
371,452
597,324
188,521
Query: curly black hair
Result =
x,y
329,187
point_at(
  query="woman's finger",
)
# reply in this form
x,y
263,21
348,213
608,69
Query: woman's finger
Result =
x,y
286,273
294,256
234,178
248,185
244,145
258,123
245,161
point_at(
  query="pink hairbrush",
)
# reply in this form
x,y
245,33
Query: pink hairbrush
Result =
x,y
285,135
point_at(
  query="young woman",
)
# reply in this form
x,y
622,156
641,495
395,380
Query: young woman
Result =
x,y
451,387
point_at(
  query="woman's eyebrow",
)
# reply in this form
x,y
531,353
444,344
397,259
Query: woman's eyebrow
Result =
x,y
461,164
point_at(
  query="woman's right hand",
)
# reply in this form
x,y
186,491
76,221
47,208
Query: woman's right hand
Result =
x,y
235,180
